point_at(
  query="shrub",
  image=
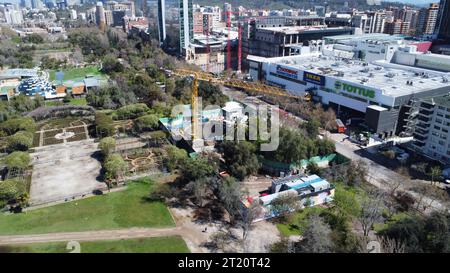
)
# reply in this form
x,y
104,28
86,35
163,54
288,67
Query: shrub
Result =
x,y
20,141
107,145
12,126
131,111
146,123
18,160
104,125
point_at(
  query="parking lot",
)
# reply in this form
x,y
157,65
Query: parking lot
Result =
x,y
64,171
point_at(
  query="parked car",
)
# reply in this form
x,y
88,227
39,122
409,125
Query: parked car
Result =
x,y
403,157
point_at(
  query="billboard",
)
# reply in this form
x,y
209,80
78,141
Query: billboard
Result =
x,y
290,73
358,90
314,78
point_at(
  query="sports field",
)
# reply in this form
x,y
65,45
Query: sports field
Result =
x,y
76,73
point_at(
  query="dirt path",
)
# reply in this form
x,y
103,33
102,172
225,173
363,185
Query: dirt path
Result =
x,y
90,235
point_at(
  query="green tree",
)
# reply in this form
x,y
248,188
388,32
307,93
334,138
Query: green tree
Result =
x,y
12,126
325,146
115,167
284,204
428,233
146,123
18,160
196,168
104,125
33,38
346,202
313,168
175,157
201,189
11,189
110,65
107,145
435,172
230,195
312,127
131,111
23,103
160,191
292,148
316,236
240,158
20,141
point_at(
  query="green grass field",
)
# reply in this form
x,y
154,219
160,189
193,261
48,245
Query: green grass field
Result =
x,y
73,101
172,244
123,209
78,101
75,73
297,221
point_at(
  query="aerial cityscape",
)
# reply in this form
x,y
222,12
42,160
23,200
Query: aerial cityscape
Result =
x,y
193,126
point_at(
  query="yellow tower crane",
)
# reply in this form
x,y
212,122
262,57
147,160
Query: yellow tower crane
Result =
x,y
229,82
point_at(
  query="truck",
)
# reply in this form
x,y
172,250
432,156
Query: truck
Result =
x,y
340,127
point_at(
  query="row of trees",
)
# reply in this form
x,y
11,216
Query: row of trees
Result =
x,y
114,165
296,145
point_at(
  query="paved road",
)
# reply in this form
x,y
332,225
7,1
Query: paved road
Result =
x,y
379,175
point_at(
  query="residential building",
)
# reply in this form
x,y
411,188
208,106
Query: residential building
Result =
x,y
186,24
162,21
429,19
73,14
109,21
431,132
12,15
100,18
443,22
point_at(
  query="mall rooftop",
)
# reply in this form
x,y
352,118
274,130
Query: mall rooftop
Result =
x,y
393,79
372,37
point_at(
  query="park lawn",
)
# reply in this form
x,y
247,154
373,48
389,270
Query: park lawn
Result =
x,y
76,73
296,222
73,101
171,244
78,101
116,210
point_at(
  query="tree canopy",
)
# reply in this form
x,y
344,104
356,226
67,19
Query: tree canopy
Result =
x,y
18,160
107,145
240,158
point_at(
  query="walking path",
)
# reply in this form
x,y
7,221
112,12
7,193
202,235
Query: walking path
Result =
x,y
380,176
89,235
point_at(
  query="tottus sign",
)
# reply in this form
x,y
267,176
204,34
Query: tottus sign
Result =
x,y
365,92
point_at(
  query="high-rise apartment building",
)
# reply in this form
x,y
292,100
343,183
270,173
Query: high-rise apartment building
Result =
x,y
100,18
432,15
186,23
443,21
162,21
227,9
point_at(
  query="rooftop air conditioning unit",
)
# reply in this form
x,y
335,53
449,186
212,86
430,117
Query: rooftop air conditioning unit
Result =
x,y
390,75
